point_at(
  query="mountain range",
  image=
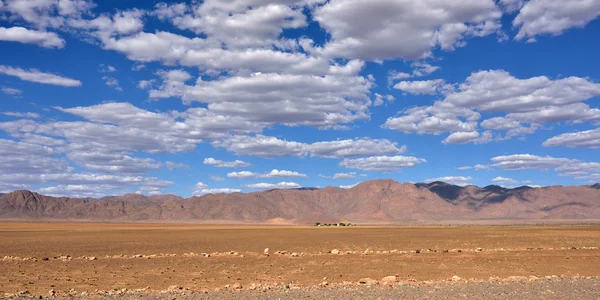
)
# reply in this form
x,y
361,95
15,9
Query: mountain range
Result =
x,y
378,201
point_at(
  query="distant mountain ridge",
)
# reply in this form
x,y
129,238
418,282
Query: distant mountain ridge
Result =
x,y
385,201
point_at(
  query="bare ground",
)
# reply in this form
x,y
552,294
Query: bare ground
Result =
x,y
110,259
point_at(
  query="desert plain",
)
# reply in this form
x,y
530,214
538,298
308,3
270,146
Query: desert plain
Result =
x,y
116,260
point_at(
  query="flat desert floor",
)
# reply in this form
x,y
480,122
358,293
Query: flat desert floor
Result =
x,y
115,259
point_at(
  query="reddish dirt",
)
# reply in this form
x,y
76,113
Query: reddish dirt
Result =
x,y
505,251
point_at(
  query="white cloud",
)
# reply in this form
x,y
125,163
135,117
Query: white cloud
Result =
x,y
456,180
26,36
511,6
344,175
528,162
369,30
112,82
423,69
145,84
11,91
112,162
497,90
263,146
266,146
394,75
381,99
353,148
252,24
107,69
34,75
77,190
459,138
202,189
273,174
538,17
21,157
173,165
217,191
504,181
435,119
104,184
582,139
225,164
533,101
48,13
22,115
347,187
201,185
382,163
426,87
319,101
477,167
270,186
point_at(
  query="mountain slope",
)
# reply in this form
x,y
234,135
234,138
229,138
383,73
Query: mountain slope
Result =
x,y
373,201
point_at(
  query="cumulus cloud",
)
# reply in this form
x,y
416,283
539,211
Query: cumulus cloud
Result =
x,y
202,189
27,36
353,148
266,146
319,101
581,139
273,174
528,162
34,75
270,186
219,191
424,25
538,17
225,164
260,145
504,181
112,82
426,87
237,25
382,163
344,175
534,101
381,99
107,69
456,180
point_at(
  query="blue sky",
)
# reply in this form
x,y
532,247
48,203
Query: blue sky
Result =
x,y
114,97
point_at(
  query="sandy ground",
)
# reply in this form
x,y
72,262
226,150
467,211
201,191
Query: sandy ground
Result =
x,y
109,259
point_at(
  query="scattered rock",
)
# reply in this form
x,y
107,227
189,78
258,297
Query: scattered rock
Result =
x,y
266,252
478,250
236,286
368,281
456,278
417,251
335,251
295,254
389,280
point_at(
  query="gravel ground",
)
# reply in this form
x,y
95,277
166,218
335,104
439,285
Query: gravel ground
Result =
x,y
542,289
